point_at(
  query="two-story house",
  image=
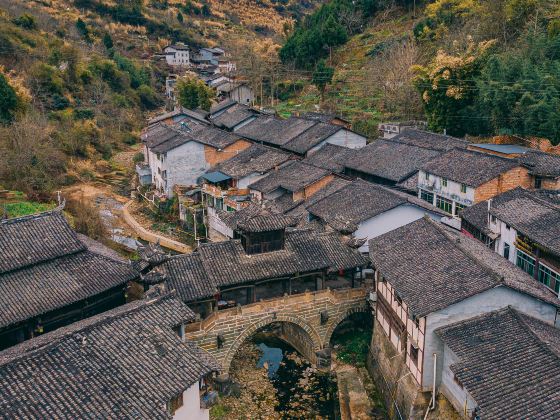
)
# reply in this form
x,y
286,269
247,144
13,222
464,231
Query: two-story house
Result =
x,y
178,55
523,227
226,185
461,178
180,155
130,362
429,276
544,169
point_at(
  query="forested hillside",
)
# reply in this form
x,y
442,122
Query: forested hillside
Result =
x,y
467,66
77,79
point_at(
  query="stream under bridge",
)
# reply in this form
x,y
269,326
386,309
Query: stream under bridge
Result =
x,y
307,322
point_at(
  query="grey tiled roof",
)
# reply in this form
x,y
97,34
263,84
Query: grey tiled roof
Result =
x,y
254,218
274,130
390,160
197,116
186,275
311,137
124,363
330,157
427,264
540,163
255,159
420,138
526,211
29,240
162,138
214,109
319,116
507,364
233,116
367,200
226,263
44,266
469,167
293,177
353,204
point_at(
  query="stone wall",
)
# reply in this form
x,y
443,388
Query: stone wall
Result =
x,y
401,392
308,331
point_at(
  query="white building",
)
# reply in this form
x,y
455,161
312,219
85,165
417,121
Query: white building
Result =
x,y
177,55
428,277
523,227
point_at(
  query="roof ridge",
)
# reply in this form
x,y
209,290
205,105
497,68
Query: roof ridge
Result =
x,y
51,339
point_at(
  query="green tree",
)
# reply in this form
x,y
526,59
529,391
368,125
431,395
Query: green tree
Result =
x,y
180,17
193,93
107,40
25,21
322,76
8,100
82,28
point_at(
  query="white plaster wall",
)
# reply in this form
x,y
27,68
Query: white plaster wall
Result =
x,y
217,224
452,191
456,394
506,236
345,138
181,57
488,301
390,220
185,164
191,406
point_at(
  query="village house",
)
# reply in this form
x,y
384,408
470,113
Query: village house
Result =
x,y
363,211
180,115
298,135
130,362
503,364
180,155
235,91
388,130
327,118
544,169
230,115
266,260
297,180
50,276
427,277
226,186
523,227
177,55
461,178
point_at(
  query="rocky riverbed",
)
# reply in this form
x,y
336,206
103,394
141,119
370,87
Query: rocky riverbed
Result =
x,y
277,383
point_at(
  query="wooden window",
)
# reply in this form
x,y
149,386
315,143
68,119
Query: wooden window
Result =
x,y
444,182
458,208
506,251
444,204
463,188
427,196
175,403
538,182
525,262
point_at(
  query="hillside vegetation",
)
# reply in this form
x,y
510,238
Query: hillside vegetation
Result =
x,y
77,79
467,66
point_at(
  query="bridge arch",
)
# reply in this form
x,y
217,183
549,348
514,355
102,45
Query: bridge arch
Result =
x,y
298,327
341,317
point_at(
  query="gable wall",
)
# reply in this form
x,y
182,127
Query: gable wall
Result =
x,y
516,177
213,156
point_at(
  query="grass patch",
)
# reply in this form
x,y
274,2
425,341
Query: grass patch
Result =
x,y
24,208
353,346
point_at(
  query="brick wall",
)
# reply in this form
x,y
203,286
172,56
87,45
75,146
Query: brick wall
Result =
x,y
313,188
516,177
213,156
550,184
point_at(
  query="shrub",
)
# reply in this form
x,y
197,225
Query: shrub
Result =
x,y
25,21
138,157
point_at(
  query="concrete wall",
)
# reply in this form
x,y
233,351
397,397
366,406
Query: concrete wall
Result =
x,y
185,165
506,236
452,191
244,182
344,138
390,220
191,406
485,302
242,94
455,393
216,224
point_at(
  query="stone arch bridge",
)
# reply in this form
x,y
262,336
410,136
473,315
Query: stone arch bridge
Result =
x,y
307,322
